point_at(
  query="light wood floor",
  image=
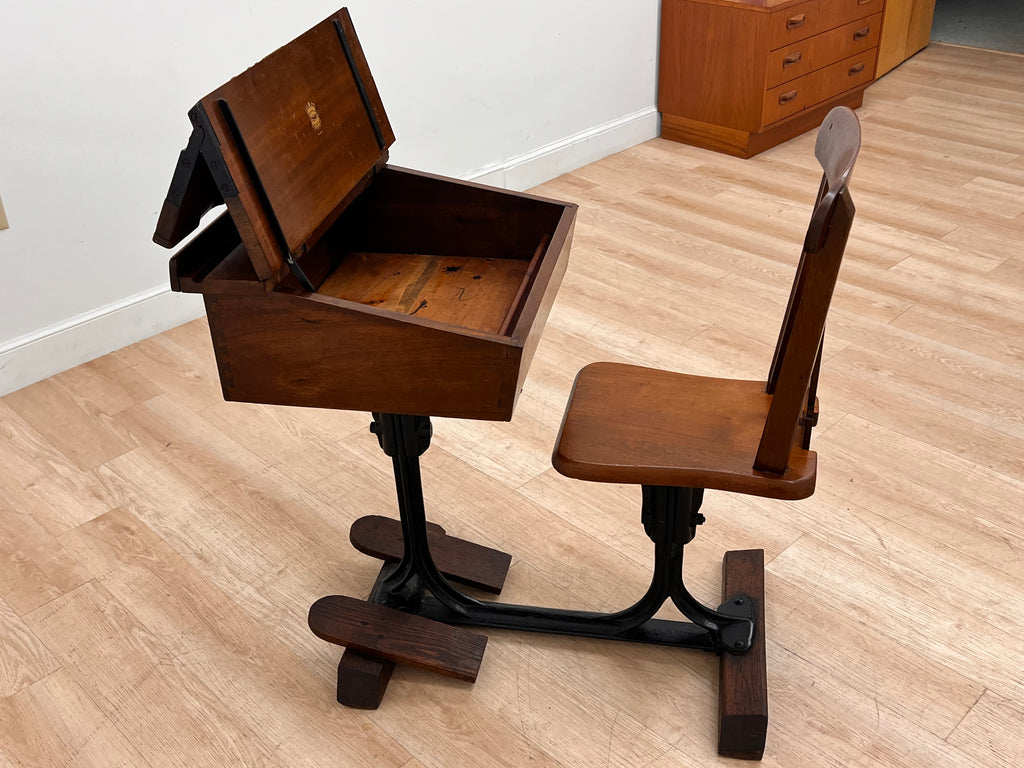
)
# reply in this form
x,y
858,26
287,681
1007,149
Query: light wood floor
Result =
x,y
159,547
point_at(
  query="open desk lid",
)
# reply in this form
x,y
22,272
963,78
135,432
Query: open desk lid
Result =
x,y
286,145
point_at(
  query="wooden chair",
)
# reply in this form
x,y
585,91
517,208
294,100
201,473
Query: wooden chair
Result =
x,y
676,435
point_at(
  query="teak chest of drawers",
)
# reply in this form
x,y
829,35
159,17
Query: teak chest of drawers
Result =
x,y
740,76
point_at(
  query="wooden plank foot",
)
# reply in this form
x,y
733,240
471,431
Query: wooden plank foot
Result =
x,y
362,679
459,560
384,633
743,681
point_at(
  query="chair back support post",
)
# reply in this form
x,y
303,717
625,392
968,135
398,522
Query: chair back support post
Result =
x,y
810,419
787,319
797,359
798,350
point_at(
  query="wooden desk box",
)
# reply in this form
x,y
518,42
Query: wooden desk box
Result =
x,y
334,280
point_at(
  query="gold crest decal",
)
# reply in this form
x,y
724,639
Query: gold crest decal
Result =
x,y
314,117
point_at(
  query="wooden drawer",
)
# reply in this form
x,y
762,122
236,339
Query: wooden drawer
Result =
x,y
842,11
798,22
797,95
808,55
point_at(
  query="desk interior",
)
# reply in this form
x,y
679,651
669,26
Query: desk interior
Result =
x,y
479,293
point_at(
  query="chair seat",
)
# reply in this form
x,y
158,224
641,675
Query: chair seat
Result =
x,y
628,424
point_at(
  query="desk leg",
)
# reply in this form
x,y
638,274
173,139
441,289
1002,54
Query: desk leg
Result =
x,y
362,678
743,682
377,635
425,631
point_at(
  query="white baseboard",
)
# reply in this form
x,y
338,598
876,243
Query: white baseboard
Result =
x,y
548,162
36,356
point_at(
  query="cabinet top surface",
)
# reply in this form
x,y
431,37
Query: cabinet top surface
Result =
x,y
754,5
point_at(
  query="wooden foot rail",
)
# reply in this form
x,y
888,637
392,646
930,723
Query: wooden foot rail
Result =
x,y
362,676
385,633
457,559
743,682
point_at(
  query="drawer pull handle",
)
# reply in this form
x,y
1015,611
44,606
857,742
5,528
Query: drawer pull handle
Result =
x,y
793,58
788,96
796,21
856,68
863,2
860,34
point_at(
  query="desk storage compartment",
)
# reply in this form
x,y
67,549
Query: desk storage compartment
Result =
x,y
337,281
430,298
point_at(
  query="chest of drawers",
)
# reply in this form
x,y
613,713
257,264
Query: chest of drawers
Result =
x,y
740,76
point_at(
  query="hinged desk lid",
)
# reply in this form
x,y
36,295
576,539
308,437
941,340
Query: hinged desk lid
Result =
x,y
287,145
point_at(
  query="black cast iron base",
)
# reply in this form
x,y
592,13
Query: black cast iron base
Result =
x,y
413,612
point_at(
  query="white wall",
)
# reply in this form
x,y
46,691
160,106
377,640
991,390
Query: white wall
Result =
x,y
93,101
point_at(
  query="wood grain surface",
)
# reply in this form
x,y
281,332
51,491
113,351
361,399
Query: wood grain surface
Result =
x,y
467,292
742,691
396,636
462,561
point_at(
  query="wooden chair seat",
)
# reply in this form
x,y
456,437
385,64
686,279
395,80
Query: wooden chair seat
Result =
x,y
628,424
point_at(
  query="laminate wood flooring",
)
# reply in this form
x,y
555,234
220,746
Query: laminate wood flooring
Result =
x,y
159,548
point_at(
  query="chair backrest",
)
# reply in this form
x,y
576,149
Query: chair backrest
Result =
x,y
793,374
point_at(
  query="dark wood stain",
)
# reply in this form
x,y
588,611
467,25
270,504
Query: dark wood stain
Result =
x,y
459,560
385,633
743,682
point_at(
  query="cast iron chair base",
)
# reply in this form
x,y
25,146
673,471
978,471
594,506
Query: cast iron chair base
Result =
x,y
413,612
